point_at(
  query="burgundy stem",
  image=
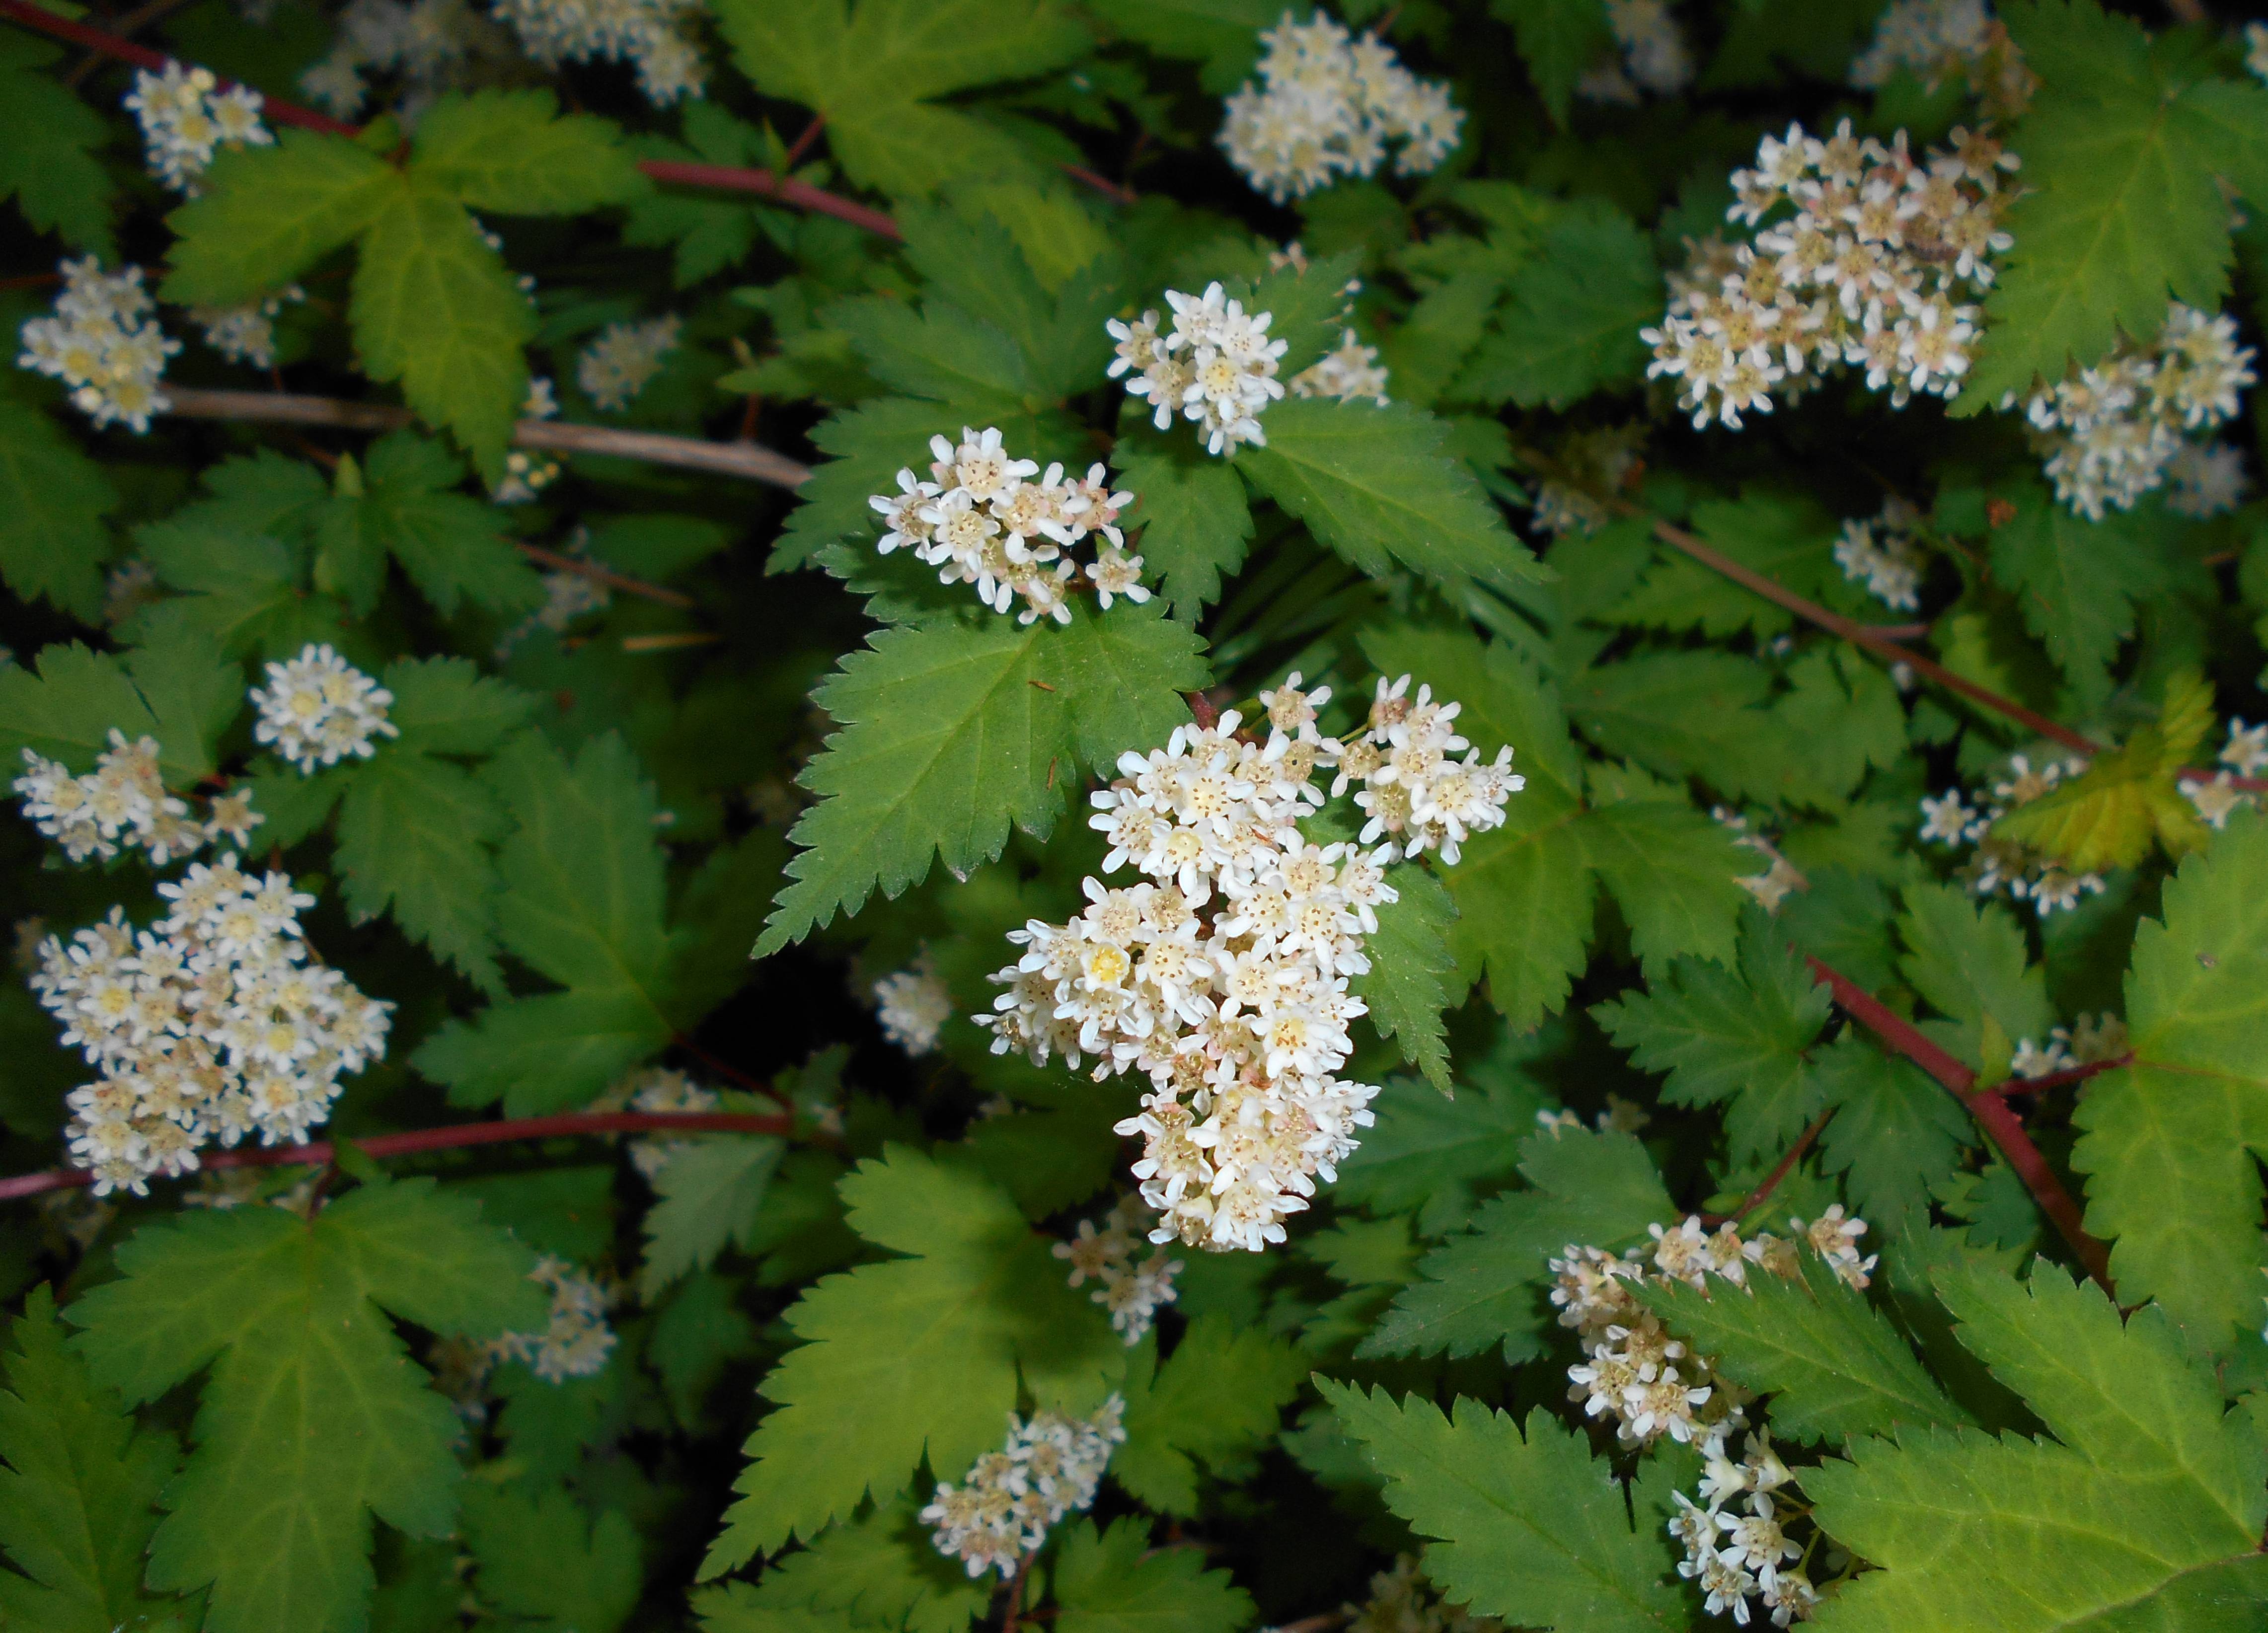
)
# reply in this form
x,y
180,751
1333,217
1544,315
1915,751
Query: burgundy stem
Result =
x,y
1757,1197
321,1152
1993,1114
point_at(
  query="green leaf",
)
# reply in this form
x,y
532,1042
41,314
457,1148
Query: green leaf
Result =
x,y
1196,523
880,1572
1896,1135
1115,1581
915,1356
1220,34
2124,155
267,214
1429,1151
446,706
1412,972
971,367
2076,581
1560,40
1832,1365
414,839
449,543
1478,1292
1572,315
2107,816
1743,1037
509,151
871,70
1374,486
708,1193
541,1560
2170,1144
581,901
2145,1481
1786,537
951,733
1215,1397
53,500
313,1419
48,138
1525,1525
870,444
173,690
1967,959
434,307
1671,870
79,1496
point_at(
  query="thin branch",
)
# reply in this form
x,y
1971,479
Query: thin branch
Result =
x,y
787,189
2188,10
133,23
670,642
1757,1197
1993,1114
747,460
726,1069
2047,1080
802,145
459,1135
607,576
1116,191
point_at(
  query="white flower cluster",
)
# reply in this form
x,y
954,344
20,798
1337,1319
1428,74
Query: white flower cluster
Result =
x,y
211,1025
1932,40
425,43
525,475
186,117
2256,56
2205,480
1655,56
246,334
123,802
1882,555
1326,105
2084,1042
613,369
104,343
2112,431
1217,368
1003,1509
1781,878
576,1342
2003,864
656,1088
1403,1600
978,521
2245,755
653,36
913,1005
1866,274
1349,371
1650,1384
1591,463
318,708
1130,1292
1223,975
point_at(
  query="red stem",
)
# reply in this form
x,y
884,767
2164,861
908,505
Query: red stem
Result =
x,y
1757,1197
322,1152
1993,1114
787,189
2069,1074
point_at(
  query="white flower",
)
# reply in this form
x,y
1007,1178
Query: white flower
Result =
x,y
186,117
104,344
577,1342
653,36
1002,1511
2215,800
614,368
1351,371
1654,55
1216,367
246,334
1326,105
319,709
913,1006
2246,752
1131,1293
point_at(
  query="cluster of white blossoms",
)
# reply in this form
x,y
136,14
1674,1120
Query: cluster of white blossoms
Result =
x,y
1223,977
1650,1384
1404,1600
1217,366
2111,432
123,801
1882,555
656,1088
653,36
2005,864
913,1005
1867,273
103,343
246,334
2205,480
1130,1291
1350,371
1932,39
979,522
1654,55
526,474
578,1340
2218,797
1325,106
425,44
622,362
2085,1042
1003,1510
212,1024
318,708
186,118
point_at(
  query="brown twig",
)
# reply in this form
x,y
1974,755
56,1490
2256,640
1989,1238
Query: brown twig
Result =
x,y
2188,10
1993,1114
1114,190
2047,1080
605,575
133,23
1757,1197
787,189
670,642
450,1138
747,460
726,1069
1014,1609
802,145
